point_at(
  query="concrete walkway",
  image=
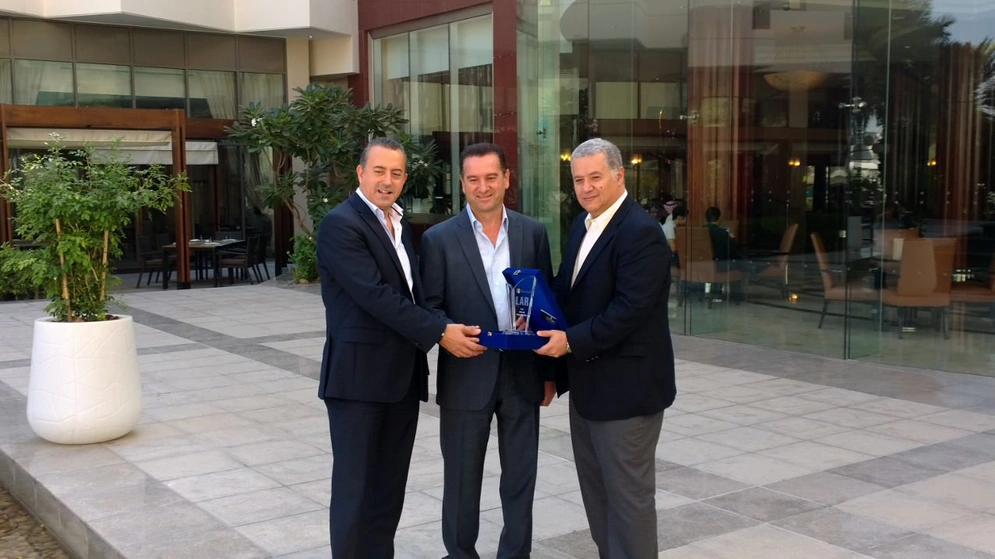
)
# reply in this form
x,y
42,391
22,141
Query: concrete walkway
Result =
x,y
766,454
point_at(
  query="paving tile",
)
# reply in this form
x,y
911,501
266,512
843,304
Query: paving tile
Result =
x,y
784,386
887,472
748,439
259,506
207,423
826,488
956,489
903,510
898,408
418,542
944,457
769,542
142,528
302,470
220,484
215,543
850,417
273,451
695,484
552,516
693,424
743,414
976,532
802,428
982,472
814,455
419,508
922,431
982,443
112,500
289,534
968,421
842,529
736,394
186,465
792,405
695,522
869,442
838,396
92,479
689,451
762,504
755,469
921,546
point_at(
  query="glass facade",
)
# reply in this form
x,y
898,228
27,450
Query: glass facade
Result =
x,y
848,148
442,76
61,64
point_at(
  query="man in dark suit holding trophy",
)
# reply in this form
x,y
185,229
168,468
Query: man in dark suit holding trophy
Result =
x,y
613,286
462,265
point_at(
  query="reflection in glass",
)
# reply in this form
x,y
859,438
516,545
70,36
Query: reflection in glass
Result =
x,y
442,76
103,85
212,94
6,86
43,83
159,88
265,89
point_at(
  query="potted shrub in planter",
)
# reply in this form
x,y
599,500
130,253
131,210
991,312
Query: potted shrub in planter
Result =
x,y
84,385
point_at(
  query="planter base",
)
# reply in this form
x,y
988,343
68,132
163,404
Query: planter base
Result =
x,y
84,386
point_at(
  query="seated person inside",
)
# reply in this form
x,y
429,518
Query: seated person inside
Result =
x,y
724,246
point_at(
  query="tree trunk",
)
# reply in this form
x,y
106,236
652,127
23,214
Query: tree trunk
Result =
x,y
65,278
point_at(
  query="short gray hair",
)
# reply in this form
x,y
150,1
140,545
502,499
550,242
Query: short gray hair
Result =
x,y
383,142
595,146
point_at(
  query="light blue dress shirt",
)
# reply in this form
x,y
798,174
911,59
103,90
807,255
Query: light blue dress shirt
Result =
x,y
496,257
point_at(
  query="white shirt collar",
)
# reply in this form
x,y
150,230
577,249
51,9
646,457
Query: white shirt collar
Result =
x,y
377,211
606,217
476,222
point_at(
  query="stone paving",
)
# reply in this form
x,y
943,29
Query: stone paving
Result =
x,y
766,454
21,536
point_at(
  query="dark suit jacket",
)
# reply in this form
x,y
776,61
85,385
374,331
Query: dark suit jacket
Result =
x,y
377,334
455,286
724,248
622,363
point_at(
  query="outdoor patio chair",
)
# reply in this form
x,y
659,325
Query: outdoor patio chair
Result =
x,y
838,291
924,281
776,272
151,260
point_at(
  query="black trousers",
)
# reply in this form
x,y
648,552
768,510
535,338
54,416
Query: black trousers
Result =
x,y
463,437
371,450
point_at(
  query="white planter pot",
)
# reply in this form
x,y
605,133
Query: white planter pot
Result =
x,y
84,386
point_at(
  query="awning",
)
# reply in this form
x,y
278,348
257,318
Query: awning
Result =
x,y
141,147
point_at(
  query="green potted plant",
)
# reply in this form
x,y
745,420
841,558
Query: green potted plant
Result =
x,y
84,385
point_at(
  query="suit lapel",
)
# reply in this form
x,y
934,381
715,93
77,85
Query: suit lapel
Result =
x,y
379,232
570,253
605,239
516,241
467,238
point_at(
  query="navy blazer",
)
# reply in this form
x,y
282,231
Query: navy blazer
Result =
x,y
622,360
377,332
455,286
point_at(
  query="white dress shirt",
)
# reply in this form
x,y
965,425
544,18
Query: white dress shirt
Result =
x,y
595,226
496,258
395,239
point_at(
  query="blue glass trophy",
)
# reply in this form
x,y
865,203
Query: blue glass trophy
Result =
x,y
533,308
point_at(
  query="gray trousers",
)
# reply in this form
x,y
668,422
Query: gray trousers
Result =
x,y
616,466
463,437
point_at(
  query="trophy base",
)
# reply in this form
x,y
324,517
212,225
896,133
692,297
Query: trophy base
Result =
x,y
511,341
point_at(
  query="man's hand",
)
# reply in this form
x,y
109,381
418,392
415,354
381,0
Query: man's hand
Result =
x,y
557,344
550,393
461,340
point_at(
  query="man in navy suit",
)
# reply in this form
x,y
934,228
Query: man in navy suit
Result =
x,y
618,359
374,370
462,263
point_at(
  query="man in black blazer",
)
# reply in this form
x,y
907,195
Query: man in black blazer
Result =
x,y
462,264
613,285
374,370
